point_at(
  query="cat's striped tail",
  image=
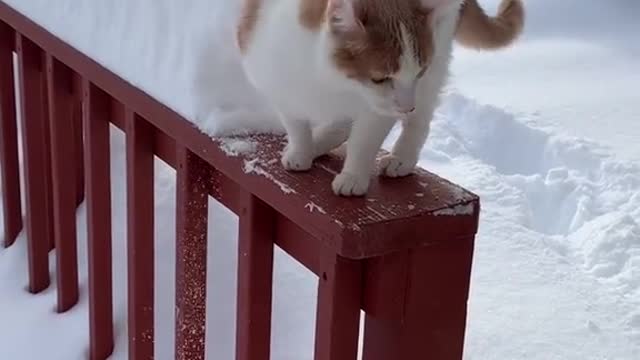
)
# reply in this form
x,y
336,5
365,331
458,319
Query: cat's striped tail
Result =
x,y
478,30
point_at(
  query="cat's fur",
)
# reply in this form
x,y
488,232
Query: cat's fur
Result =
x,y
349,69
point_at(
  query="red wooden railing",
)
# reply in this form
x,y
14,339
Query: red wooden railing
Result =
x,y
403,254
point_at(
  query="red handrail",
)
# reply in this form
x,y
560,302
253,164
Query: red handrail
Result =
x,y
403,254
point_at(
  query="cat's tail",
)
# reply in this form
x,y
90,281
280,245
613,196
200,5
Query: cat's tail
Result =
x,y
478,30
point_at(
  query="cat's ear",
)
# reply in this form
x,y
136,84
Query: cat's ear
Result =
x,y
433,4
342,16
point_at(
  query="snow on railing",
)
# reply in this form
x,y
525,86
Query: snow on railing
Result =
x,y
393,255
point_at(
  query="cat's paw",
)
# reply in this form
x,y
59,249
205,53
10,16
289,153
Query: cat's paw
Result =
x,y
395,166
347,184
294,160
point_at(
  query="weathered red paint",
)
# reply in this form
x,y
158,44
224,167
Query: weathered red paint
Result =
x,y
140,247
9,166
255,276
47,146
36,164
338,313
96,116
429,320
192,198
403,254
78,143
63,181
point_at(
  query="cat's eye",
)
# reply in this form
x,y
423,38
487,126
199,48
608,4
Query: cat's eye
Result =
x,y
380,81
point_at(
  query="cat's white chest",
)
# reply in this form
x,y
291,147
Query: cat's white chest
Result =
x,y
283,63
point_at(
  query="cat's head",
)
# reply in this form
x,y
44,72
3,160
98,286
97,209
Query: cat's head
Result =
x,y
384,47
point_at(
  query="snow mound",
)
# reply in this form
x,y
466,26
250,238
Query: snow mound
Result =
x,y
611,248
582,201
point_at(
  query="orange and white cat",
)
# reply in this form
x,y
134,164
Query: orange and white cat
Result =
x,y
347,70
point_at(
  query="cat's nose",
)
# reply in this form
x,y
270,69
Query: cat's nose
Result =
x,y
404,98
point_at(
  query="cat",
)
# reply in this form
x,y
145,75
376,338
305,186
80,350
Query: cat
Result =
x,y
347,70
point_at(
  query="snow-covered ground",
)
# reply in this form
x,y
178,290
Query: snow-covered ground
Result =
x,y
557,263
579,68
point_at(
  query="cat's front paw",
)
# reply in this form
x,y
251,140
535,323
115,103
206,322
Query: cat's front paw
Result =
x,y
347,184
295,160
396,166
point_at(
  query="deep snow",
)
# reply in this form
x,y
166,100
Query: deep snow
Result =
x,y
557,262
578,68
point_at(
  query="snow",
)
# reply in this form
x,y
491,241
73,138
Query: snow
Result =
x,y
313,207
547,133
237,146
455,211
577,68
255,166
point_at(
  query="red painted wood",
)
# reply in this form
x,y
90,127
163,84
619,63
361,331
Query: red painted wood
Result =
x,y
433,311
35,162
140,207
193,177
299,244
338,313
63,181
255,276
78,142
386,275
96,114
9,168
47,143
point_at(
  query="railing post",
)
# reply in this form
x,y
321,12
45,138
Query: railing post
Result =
x,y
96,116
417,303
338,312
63,181
193,179
10,182
36,166
255,279
140,247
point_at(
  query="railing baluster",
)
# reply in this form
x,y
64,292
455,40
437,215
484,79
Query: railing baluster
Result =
x,y
9,163
193,179
255,278
96,115
78,137
36,164
338,313
63,180
140,207
47,143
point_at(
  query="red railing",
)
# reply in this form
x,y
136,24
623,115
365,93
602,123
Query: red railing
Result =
x,y
403,254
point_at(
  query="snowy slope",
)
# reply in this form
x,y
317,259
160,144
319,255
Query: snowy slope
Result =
x,y
578,67
557,266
